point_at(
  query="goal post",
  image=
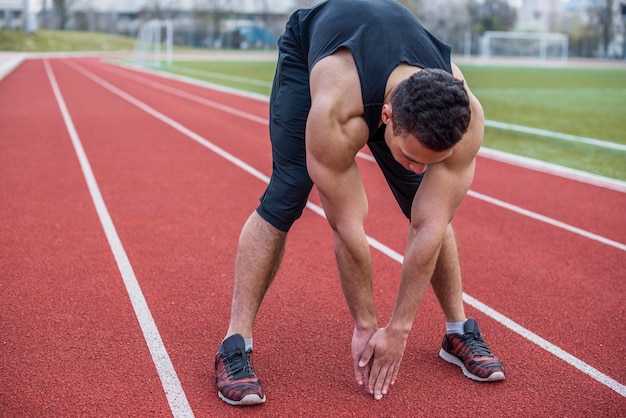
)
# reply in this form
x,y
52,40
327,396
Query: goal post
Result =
x,y
154,42
538,45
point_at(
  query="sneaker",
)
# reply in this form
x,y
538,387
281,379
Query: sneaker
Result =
x,y
471,354
237,384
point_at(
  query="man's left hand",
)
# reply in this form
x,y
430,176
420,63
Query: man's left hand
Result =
x,y
383,355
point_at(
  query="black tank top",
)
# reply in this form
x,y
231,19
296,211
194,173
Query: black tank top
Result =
x,y
380,34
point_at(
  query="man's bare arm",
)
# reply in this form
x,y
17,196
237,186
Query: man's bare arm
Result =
x,y
335,132
441,191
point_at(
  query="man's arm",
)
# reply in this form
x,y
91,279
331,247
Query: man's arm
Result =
x,y
441,191
335,133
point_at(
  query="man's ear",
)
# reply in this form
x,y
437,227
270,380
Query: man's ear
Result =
x,y
385,115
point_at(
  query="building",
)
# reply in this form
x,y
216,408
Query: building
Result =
x,y
539,15
12,14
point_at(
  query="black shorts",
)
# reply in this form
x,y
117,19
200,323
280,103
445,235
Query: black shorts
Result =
x,y
290,184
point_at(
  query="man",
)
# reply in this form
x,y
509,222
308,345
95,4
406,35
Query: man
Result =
x,y
353,73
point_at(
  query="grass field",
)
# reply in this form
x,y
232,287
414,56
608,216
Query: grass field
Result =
x,y
583,102
63,41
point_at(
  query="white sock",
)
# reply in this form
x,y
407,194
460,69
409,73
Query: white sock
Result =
x,y
455,327
248,342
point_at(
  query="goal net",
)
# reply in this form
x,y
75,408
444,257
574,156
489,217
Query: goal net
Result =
x,y
533,45
153,47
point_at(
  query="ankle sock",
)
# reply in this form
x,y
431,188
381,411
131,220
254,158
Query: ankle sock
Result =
x,y
248,342
455,327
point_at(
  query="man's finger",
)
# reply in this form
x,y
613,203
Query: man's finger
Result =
x,y
394,376
380,383
366,356
358,373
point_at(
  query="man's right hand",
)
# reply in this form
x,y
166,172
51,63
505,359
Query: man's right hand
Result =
x,y
360,338
381,360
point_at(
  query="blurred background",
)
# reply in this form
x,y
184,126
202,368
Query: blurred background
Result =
x,y
576,28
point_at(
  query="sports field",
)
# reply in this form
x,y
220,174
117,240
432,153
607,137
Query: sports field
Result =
x,y
569,116
123,195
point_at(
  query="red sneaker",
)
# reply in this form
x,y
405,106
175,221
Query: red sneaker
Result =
x,y
237,384
471,354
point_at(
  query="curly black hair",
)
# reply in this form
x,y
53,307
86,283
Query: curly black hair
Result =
x,y
433,106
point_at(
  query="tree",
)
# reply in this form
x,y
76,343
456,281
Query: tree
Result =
x,y
601,22
497,15
446,19
61,12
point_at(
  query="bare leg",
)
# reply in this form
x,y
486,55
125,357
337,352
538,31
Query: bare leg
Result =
x,y
446,279
259,253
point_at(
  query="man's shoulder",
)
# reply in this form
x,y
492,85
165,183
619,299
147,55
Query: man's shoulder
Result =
x,y
335,85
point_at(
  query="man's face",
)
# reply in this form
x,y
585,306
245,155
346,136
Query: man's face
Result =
x,y
408,150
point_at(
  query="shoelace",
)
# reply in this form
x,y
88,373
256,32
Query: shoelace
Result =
x,y
238,364
478,344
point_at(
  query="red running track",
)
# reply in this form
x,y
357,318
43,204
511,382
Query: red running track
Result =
x,y
116,267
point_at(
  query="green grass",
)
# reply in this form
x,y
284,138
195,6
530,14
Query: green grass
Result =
x,y
581,102
53,41
254,76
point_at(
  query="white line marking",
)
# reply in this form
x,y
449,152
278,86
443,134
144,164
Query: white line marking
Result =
x,y
555,135
498,317
553,169
182,129
9,62
221,76
546,345
530,214
169,379
195,98
547,220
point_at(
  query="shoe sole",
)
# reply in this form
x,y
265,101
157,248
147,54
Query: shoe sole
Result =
x,y
494,377
245,401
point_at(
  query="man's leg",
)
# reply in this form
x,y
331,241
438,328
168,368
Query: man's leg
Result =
x,y
463,344
446,280
259,254
263,237
260,251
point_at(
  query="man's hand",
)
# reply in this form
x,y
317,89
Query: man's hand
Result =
x,y
380,359
360,338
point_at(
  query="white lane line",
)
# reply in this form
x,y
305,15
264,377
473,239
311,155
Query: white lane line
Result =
x,y
555,135
194,98
553,169
222,76
498,317
9,62
169,379
547,220
530,214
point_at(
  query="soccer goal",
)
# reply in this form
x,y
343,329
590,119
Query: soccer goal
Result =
x,y
538,45
153,47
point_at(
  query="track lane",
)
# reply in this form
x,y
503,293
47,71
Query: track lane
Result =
x,y
127,161
68,335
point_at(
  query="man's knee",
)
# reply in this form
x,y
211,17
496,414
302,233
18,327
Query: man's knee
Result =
x,y
282,206
282,223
